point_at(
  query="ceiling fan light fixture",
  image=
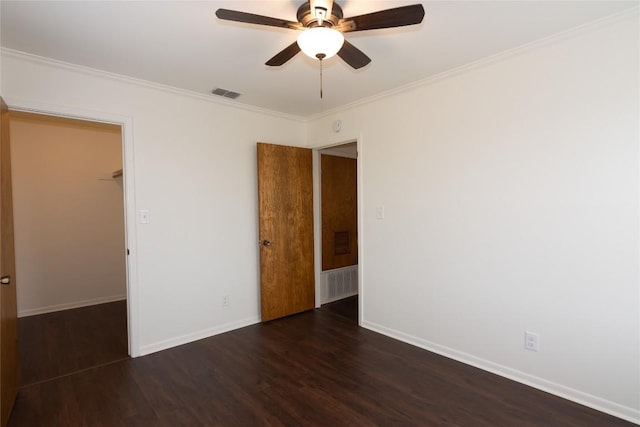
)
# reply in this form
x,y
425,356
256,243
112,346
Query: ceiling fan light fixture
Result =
x,y
320,41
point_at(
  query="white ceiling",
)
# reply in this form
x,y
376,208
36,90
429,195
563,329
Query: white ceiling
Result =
x,y
182,43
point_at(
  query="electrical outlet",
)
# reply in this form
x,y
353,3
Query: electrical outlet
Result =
x,y
531,341
225,301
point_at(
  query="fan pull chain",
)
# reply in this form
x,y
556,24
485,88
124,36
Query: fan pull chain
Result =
x,y
320,57
320,79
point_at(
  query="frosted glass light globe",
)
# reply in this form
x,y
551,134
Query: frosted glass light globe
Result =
x,y
320,40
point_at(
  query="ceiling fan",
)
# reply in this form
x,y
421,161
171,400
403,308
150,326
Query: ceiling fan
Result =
x,y
322,25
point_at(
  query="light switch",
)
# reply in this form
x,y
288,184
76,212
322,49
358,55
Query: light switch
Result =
x,y
379,212
143,215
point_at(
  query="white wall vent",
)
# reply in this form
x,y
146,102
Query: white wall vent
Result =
x,y
339,283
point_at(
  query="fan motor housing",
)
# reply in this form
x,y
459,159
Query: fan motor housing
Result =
x,y
308,19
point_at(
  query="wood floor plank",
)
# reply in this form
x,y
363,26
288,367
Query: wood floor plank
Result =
x,y
63,342
317,368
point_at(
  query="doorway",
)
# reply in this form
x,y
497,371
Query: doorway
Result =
x,y
70,244
339,229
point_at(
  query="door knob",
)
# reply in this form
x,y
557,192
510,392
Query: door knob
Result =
x,y
266,243
5,280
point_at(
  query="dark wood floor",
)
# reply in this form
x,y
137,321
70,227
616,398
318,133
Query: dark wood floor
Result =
x,y
347,307
64,342
313,369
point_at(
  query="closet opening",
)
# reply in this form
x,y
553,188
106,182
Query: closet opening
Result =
x,y
70,244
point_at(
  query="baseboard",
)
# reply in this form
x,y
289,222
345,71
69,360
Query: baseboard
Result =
x,y
597,403
69,305
206,333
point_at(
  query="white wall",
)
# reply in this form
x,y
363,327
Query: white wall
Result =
x,y
69,214
511,200
194,169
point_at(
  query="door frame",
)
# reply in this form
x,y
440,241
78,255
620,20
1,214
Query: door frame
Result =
x,y
126,124
317,219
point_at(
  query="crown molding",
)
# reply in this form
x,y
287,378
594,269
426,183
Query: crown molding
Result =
x,y
41,60
483,62
488,60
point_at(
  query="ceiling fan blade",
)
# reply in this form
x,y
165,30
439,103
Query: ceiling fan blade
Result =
x,y
284,55
353,56
389,18
250,18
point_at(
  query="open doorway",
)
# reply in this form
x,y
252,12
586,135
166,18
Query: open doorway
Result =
x,y
70,244
339,230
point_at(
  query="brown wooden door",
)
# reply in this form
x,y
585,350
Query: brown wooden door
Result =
x,y
9,368
285,192
339,192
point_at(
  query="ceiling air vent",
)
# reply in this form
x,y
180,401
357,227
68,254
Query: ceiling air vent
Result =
x,y
225,93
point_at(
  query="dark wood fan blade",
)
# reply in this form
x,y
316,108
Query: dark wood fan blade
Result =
x,y
353,56
389,18
284,55
250,18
